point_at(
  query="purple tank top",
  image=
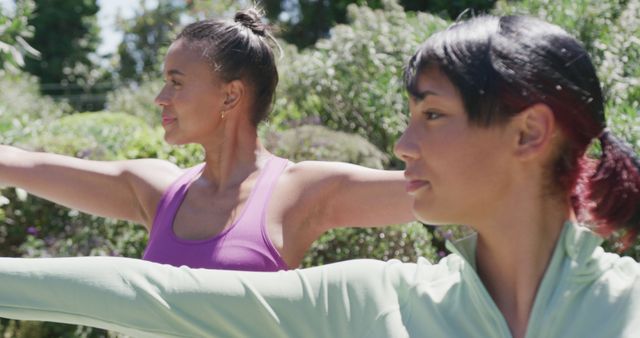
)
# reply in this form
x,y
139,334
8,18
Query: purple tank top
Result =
x,y
244,245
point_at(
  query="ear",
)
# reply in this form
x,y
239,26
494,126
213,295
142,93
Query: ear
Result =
x,y
234,91
536,127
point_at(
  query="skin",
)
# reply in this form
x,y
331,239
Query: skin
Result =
x,y
491,179
198,107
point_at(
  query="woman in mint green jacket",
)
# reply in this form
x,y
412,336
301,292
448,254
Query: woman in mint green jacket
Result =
x,y
503,110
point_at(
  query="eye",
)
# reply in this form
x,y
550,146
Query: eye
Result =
x,y
431,115
172,81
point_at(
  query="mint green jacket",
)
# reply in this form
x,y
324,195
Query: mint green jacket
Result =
x,y
585,293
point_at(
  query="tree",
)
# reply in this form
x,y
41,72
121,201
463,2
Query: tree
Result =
x,y
66,34
146,37
304,22
352,81
13,32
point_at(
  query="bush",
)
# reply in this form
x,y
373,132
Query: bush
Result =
x,y
404,242
14,30
23,111
609,31
138,100
352,81
320,143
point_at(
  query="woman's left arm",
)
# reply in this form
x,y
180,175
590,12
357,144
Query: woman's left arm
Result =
x,y
348,195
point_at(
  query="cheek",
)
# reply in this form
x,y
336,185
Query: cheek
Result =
x,y
483,171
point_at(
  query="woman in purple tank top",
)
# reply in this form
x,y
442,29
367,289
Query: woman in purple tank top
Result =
x,y
243,208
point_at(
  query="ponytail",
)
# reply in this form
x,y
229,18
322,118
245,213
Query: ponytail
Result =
x,y
614,188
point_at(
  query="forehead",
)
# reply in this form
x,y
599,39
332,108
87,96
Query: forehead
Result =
x,y
185,58
433,81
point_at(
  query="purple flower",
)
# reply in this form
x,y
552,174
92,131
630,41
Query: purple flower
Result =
x,y
32,231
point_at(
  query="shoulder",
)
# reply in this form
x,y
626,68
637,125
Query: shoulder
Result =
x,y
393,277
164,166
154,171
149,179
325,171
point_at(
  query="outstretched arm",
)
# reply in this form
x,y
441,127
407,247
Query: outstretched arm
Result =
x,y
126,190
348,195
144,299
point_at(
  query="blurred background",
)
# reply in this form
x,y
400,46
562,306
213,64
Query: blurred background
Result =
x,y
78,77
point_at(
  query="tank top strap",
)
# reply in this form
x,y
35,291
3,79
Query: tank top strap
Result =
x,y
250,223
267,181
172,198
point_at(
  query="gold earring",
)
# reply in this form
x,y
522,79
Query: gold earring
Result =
x,y
222,114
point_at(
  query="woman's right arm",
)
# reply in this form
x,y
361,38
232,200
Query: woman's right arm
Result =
x,y
126,190
350,299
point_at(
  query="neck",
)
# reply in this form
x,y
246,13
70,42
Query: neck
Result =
x,y
514,250
233,153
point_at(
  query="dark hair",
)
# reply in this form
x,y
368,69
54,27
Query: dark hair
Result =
x,y
501,65
239,50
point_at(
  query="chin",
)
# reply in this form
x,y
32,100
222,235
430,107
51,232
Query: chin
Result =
x,y
430,217
172,140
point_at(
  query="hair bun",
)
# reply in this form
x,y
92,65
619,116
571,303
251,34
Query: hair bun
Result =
x,y
252,19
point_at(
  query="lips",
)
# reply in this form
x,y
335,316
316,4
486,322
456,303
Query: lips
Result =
x,y
412,186
167,120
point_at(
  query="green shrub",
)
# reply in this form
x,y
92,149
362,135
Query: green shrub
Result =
x,y
23,111
320,143
610,31
138,100
404,242
352,81
14,30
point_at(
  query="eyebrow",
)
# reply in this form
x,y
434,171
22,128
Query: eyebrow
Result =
x,y
421,96
174,72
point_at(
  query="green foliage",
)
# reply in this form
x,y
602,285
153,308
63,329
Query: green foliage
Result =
x,y
319,143
138,100
146,38
14,30
404,242
65,67
609,31
23,111
353,81
304,22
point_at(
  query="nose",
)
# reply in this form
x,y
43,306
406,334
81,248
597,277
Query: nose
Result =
x,y
162,99
406,148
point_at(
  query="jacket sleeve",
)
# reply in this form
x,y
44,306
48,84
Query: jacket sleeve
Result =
x,y
145,299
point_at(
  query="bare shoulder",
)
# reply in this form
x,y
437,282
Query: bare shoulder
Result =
x,y
153,162
336,194
150,178
311,172
155,171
